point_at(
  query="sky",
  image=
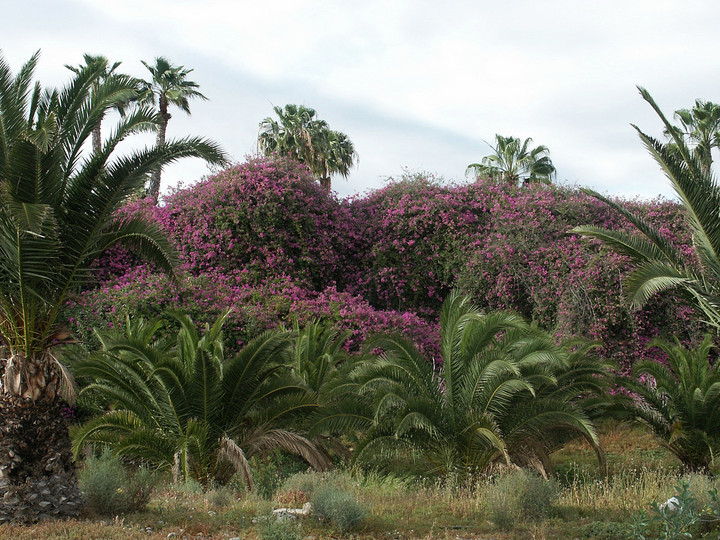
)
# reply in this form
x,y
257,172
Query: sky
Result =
x,y
417,85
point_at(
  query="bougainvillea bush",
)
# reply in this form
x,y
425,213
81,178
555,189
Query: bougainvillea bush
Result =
x,y
264,238
264,217
255,307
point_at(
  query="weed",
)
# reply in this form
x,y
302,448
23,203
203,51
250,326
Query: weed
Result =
x,y
110,489
279,529
520,495
339,507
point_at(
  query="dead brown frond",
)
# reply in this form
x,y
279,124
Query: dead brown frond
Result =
x,y
230,451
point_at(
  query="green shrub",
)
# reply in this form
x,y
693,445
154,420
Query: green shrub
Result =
x,y
279,529
606,530
220,496
521,495
110,489
189,486
689,516
339,507
269,472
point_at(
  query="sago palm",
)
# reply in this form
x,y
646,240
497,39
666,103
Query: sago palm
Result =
x,y
57,214
186,408
659,265
497,395
321,362
680,402
319,358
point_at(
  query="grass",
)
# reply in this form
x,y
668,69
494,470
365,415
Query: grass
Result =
x,y
587,505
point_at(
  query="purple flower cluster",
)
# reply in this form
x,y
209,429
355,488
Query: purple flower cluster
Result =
x,y
263,238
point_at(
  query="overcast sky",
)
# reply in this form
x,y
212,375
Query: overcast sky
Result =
x,y
416,84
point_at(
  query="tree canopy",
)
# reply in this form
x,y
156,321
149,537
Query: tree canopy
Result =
x,y
299,133
515,161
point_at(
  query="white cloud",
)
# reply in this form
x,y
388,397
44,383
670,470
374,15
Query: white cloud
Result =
x,y
415,83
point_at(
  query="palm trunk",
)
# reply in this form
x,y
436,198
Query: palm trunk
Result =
x,y
96,139
37,473
155,178
325,178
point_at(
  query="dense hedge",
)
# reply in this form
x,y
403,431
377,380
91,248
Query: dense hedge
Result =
x,y
264,238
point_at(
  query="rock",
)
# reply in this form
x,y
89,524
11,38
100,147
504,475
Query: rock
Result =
x,y
284,514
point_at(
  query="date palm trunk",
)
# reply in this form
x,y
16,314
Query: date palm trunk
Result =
x,y
96,139
38,480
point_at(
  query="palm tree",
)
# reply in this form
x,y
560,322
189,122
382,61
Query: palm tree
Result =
x,y
319,358
305,138
187,409
504,390
514,161
168,86
107,71
659,265
57,214
700,129
680,402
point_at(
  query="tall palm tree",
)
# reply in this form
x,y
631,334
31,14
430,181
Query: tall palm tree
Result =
x,y
504,390
187,408
57,209
680,402
300,134
659,265
107,71
514,161
168,86
700,129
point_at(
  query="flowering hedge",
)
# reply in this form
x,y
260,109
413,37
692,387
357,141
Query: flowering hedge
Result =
x,y
264,238
255,307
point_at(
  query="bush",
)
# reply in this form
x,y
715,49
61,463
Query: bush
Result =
x,y
270,472
279,529
220,496
339,507
684,516
606,530
265,216
256,308
392,255
111,490
521,495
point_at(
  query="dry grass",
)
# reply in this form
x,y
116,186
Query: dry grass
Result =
x,y
641,471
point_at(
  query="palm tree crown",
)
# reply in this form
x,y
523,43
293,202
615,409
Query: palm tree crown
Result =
x,y
186,407
680,401
700,129
168,86
106,72
659,265
514,161
309,140
57,214
504,390
57,207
